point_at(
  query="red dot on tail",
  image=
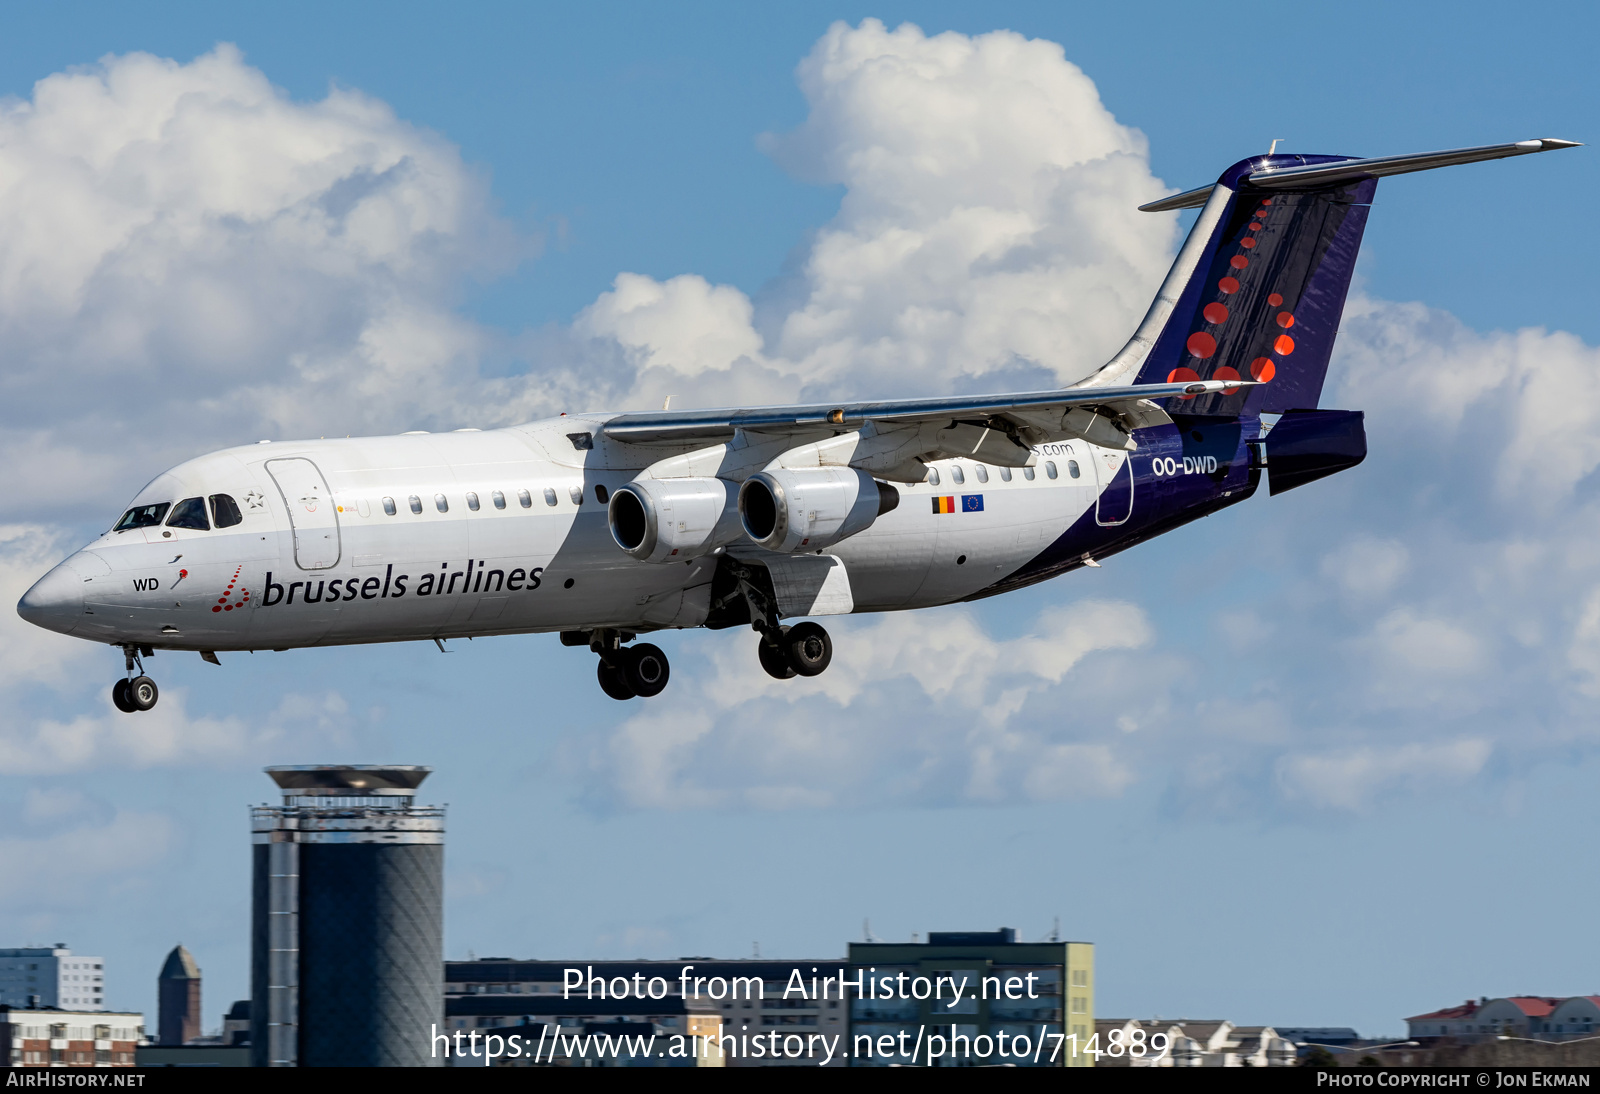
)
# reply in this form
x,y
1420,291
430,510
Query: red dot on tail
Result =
x,y
1283,345
1238,262
1263,369
1247,243
1255,226
1182,376
1228,285
1215,313
1226,373
1285,320
1265,202
1201,345
1274,300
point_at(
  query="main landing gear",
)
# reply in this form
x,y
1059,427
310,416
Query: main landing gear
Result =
x,y
135,693
624,671
785,652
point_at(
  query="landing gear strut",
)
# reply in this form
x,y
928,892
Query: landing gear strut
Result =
x,y
785,652
135,693
624,671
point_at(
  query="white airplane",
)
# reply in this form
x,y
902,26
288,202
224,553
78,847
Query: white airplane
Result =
x,y
607,526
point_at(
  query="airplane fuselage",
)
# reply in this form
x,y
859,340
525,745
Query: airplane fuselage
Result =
x,y
438,536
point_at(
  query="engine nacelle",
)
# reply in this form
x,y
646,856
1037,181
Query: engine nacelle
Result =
x,y
673,520
806,510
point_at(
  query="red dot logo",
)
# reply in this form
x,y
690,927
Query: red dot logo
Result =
x,y
1226,373
1284,345
1229,285
1238,262
1285,320
1202,345
216,607
1275,300
1215,313
1262,369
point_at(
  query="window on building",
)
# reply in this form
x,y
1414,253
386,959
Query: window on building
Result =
x,y
388,506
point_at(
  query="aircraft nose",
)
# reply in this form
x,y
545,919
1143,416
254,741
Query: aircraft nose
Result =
x,y
56,600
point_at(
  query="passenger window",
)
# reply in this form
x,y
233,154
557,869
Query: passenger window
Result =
x,y
442,503
600,494
143,516
190,513
499,499
1050,468
472,501
577,495
982,473
1027,473
933,476
549,495
388,506
416,505
956,475
1005,474
1072,468
225,511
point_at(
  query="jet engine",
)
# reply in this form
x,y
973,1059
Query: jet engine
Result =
x,y
806,510
673,520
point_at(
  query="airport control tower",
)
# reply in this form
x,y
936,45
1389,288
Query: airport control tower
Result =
x,y
347,920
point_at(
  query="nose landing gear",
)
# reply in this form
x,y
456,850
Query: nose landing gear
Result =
x,y
135,693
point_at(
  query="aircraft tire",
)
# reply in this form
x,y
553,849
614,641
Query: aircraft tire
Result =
x,y
120,697
774,660
808,648
143,693
646,669
614,683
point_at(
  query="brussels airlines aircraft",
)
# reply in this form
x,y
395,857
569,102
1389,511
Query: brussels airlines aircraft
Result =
x,y
606,526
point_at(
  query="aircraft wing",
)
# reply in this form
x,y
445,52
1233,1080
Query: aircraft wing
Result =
x,y
1023,410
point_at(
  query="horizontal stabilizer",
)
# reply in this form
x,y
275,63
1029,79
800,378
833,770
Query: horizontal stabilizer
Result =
x,y
1323,174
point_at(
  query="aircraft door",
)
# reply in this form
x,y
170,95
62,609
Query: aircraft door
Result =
x,y
311,512
1114,472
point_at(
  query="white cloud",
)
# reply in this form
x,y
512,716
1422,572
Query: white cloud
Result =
x,y
1349,780
29,655
924,709
75,865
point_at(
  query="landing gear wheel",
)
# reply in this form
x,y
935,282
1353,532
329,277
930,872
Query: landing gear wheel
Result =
x,y
614,683
809,649
142,692
646,669
774,660
120,697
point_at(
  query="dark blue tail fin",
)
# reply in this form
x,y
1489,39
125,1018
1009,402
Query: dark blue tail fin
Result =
x,y
1268,265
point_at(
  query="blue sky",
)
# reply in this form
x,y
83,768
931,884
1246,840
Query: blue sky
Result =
x,y
1327,756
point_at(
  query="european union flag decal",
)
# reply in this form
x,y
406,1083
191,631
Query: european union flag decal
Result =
x,y
972,503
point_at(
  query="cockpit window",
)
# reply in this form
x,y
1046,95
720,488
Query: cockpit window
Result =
x,y
190,513
142,516
225,511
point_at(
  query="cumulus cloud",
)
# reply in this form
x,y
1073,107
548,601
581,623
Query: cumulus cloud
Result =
x,y
1351,779
168,736
920,710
